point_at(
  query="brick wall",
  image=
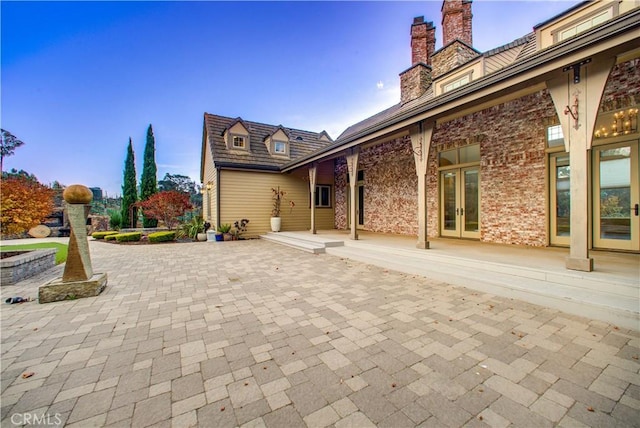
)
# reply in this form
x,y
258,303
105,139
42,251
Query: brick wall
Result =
x,y
391,195
512,168
623,87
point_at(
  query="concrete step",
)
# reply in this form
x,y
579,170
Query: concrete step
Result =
x,y
309,237
300,244
575,279
493,278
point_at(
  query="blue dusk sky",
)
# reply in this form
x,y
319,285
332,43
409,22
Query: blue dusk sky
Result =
x,y
80,78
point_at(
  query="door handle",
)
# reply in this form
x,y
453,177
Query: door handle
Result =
x,y
461,211
457,211
635,209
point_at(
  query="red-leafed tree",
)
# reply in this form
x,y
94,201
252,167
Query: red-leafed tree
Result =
x,y
166,207
25,203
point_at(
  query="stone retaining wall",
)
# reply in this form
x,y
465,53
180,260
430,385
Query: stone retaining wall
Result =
x,y
15,269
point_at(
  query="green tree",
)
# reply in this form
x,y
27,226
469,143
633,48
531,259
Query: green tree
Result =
x,y
148,181
129,190
8,146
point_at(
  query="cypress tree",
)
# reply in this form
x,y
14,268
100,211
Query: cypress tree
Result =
x,y
148,181
129,189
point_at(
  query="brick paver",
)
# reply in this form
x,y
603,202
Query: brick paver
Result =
x,y
253,334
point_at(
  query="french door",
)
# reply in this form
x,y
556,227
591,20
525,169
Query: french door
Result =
x,y
560,199
460,203
616,187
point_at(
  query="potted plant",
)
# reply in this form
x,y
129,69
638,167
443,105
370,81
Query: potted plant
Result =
x,y
224,230
240,228
195,229
277,196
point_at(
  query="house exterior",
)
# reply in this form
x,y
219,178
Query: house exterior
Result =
x,y
533,143
242,161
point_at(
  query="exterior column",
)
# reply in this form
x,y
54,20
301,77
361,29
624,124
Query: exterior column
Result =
x,y
312,188
421,143
576,96
352,166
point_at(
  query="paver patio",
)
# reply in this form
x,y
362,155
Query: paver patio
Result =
x,y
251,333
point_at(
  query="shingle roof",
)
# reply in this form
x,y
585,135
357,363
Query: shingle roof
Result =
x,y
301,143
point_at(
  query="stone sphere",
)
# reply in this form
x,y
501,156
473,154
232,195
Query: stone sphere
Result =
x,y
77,194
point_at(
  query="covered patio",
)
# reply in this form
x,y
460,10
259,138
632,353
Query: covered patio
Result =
x,y
610,293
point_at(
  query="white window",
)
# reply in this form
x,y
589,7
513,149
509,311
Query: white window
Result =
x,y
323,196
280,147
584,25
455,84
554,136
239,142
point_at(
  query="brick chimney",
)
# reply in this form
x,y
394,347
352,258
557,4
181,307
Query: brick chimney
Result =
x,y
417,79
423,41
456,21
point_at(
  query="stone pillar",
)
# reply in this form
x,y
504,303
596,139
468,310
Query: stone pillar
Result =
x,y
312,189
421,143
78,279
352,166
576,96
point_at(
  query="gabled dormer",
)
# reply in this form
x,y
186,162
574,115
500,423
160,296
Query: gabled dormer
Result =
x,y
324,136
580,18
236,136
278,142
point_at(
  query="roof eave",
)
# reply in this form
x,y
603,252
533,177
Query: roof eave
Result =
x,y
608,30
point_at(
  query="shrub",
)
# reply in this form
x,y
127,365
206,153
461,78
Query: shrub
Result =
x,y
115,219
164,236
128,237
103,235
110,237
224,228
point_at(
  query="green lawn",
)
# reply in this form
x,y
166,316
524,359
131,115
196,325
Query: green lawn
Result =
x,y
61,255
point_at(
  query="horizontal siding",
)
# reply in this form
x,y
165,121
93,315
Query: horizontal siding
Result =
x,y
209,177
501,60
325,217
246,194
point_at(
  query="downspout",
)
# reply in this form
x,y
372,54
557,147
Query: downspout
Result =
x,y
217,197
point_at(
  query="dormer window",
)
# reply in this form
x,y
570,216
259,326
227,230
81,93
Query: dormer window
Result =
x,y
239,142
455,84
277,143
585,24
236,137
280,147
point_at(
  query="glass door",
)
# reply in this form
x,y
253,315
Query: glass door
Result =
x,y
560,198
460,203
616,197
470,203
